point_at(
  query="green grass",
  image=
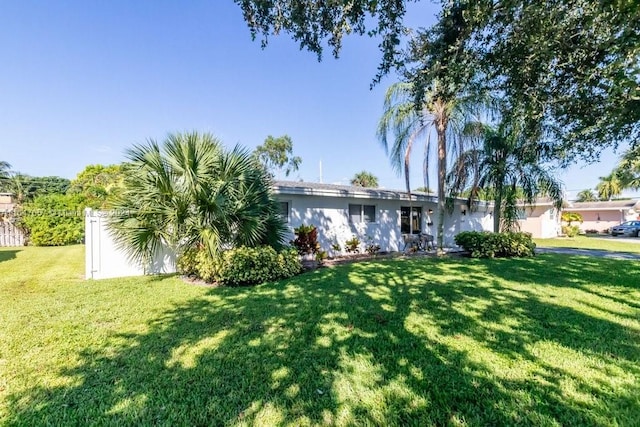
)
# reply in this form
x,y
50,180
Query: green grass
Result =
x,y
591,242
552,340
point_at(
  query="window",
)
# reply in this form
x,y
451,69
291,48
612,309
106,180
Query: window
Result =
x,y
416,219
522,214
362,213
283,210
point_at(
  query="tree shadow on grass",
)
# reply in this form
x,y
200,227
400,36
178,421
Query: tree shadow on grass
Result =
x,y
8,254
378,343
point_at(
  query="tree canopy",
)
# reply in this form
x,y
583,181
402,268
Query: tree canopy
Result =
x,y
364,179
277,154
98,184
569,69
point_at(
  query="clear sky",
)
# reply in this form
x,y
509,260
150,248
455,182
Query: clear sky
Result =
x,y
81,81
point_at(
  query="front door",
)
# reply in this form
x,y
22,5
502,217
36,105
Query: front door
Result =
x,y
410,223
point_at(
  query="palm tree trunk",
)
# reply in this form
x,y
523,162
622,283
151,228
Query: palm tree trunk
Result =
x,y
441,130
497,209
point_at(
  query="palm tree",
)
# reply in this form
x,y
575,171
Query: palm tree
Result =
x,y
190,192
4,174
408,123
586,195
609,186
629,169
508,167
364,179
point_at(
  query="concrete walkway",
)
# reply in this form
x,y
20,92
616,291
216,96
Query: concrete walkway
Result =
x,y
589,252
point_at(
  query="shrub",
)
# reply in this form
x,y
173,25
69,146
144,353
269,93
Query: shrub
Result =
x,y
570,230
484,244
591,231
371,248
321,256
570,217
241,266
187,262
53,220
306,241
352,245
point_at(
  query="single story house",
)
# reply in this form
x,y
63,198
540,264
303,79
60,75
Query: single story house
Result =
x,y
7,202
601,216
339,212
374,215
544,220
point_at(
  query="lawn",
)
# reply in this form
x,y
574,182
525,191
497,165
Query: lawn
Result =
x,y
552,340
591,242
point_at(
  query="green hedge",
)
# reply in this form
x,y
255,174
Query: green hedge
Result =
x,y
484,244
241,266
53,219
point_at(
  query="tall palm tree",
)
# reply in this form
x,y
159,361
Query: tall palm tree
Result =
x,y
609,186
508,167
408,122
190,192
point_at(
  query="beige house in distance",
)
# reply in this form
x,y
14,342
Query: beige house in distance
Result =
x,y
543,220
603,215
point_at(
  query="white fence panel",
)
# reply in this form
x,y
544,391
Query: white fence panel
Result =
x,y
103,259
10,235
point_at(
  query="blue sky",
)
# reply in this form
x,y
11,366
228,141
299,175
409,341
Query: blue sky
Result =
x,y
83,80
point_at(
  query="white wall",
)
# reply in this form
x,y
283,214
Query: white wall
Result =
x,y
330,215
104,260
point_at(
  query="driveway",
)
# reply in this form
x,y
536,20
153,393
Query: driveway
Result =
x,y
625,239
589,252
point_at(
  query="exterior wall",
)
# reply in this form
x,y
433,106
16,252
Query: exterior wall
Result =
x,y
541,222
603,220
6,199
330,215
103,259
457,222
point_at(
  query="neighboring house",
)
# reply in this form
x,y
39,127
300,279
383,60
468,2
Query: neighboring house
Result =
x,y
381,216
603,215
7,202
542,219
10,235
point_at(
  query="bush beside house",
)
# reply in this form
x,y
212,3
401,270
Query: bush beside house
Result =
x,y
484,244
240,266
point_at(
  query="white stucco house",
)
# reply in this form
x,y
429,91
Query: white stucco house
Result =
x,y
339,213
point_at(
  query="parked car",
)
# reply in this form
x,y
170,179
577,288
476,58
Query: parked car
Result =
x,y
631,228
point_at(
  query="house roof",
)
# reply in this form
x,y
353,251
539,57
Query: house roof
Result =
x,y
612,205
317,189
